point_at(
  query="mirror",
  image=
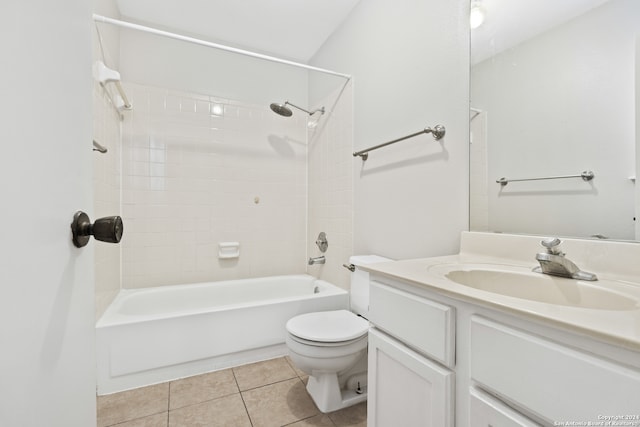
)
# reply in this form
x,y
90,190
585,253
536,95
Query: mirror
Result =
x,y
553,95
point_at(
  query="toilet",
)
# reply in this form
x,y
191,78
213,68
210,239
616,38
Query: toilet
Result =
x,y
331,346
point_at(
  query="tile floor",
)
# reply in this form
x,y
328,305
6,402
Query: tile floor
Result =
x,y
263,394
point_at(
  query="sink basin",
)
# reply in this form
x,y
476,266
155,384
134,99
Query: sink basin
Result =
x,y
520,282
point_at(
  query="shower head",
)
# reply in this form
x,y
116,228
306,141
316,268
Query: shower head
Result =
x,y
285,111
281,109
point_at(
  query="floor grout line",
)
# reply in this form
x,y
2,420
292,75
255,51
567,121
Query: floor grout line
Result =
x,y
203,401
242,397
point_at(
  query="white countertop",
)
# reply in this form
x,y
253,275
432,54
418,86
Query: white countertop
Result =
x,y
619,327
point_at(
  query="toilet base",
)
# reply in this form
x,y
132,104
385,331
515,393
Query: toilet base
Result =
x,y
328,396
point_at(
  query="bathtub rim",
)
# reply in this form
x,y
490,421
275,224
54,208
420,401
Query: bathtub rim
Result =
x,y
113,318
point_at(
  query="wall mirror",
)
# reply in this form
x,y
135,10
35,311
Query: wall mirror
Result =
x,y
554,94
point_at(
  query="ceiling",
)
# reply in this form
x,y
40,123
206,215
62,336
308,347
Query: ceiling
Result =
x,y
510,22
296,29
291,29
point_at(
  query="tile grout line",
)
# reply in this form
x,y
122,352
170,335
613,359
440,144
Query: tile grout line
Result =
x,y
242,397
273,383
202,401
168,404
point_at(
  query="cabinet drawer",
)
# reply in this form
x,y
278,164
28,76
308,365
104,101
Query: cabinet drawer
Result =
x,y
486,411
423,324
554,382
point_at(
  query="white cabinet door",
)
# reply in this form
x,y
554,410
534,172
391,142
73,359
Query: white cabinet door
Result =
x,y
405,388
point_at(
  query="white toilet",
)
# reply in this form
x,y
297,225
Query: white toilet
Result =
x,y
331,346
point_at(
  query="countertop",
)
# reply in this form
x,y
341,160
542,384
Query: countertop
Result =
x,y
618,327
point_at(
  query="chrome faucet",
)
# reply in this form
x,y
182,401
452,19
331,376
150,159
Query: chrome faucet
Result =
x,y
554,262
317,260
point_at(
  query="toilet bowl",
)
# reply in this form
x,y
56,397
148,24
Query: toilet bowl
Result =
x,y
331,346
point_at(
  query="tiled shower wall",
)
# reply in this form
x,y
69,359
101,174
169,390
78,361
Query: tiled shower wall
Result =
x,y
198,171
331,167
106,182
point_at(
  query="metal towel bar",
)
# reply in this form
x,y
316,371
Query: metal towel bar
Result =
x,y
438,132
586,176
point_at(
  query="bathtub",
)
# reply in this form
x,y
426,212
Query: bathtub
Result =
x,y
152,335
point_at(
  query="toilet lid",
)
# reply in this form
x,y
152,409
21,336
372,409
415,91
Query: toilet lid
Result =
x,y
328,326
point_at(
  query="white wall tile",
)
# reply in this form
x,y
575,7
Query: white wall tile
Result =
x,y
190,181
106,182
330,173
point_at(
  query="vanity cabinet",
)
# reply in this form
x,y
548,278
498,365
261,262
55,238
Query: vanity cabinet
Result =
x,y
406,388
411,341
561,383
446,361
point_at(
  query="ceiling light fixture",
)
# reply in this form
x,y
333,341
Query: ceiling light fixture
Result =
x,y
477,14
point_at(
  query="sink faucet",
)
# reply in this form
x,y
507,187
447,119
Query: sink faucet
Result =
x,y
317,260
554,262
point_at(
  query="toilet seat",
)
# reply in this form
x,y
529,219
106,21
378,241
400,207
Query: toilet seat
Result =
x,y
327,344
338,327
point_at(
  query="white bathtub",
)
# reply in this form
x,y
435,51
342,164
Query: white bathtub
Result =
x,y
158,334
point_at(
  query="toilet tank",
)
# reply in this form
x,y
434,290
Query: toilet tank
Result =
x,y
359,296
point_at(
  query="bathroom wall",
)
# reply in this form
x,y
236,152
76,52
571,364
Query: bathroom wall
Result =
x,y
578,115
637,103
410,62
478,173
106,166
199,170
47,362
271,165
330,178
157,61
242,174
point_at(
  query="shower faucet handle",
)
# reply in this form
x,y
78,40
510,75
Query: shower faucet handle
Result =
x,y
108,229
322,242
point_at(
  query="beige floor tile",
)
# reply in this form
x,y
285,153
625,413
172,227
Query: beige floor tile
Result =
x,y
198,389
353,416
279,404
157,420
132,404
263,373
321,420
223,412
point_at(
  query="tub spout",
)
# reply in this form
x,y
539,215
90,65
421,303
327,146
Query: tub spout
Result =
x,y
317,260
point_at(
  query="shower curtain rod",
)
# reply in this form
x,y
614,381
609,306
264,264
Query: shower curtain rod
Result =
x,y
124,24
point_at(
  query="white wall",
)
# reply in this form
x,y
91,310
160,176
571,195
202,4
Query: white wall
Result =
x,y
47,363
478,174
410,62
158,61
559,104
637,158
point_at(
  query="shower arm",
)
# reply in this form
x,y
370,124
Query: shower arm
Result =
x,y
311,113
